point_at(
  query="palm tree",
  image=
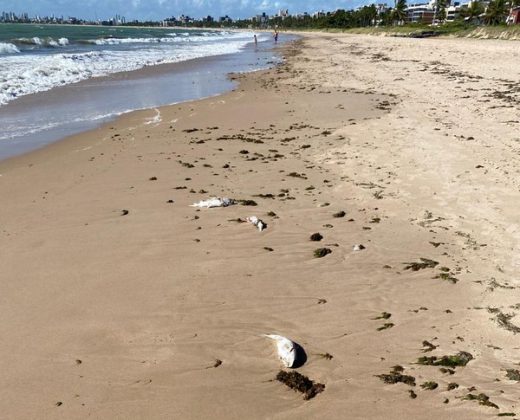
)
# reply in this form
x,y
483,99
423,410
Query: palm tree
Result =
x,y
496,12
399,13
440,10
473,11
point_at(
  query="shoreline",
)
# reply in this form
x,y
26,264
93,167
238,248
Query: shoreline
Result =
x,y
165,84
122,300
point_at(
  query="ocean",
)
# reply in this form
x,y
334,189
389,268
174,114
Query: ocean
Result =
x,y
58,80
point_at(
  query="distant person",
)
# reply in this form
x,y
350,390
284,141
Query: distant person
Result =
x,y
256,40
275,36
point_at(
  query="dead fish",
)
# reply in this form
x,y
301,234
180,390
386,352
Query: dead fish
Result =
x,y
286,349
214,202
257,222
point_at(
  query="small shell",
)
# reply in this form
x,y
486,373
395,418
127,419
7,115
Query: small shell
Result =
x,y
358,247
286,349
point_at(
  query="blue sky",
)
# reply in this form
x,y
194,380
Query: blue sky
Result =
x,y
158,9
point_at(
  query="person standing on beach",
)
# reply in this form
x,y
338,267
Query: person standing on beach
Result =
x,y
256,40
275,36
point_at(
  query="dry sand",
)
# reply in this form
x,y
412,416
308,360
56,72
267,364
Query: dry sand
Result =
x,y
113,316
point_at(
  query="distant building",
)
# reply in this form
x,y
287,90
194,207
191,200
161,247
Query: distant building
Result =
x,y
382,8
261,20
283,13
453,12
514,16
421,13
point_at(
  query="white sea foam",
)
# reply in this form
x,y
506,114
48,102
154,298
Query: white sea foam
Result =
x,y
24,74
41,42
12,131
8,48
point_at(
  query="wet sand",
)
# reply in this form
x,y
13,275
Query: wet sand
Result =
x,y
119,300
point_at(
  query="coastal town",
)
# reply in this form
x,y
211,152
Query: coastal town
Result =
x,y
434,12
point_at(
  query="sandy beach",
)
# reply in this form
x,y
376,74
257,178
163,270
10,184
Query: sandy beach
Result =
x,y
120,301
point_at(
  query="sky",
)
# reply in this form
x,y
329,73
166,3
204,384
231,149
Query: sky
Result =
x,y
160,9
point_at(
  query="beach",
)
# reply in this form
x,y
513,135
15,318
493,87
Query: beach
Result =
x,y
120,301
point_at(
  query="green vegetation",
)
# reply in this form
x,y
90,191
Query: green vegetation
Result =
x,y
396,376
460,359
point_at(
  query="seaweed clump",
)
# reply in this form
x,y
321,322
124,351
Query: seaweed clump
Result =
x,y
482,399
339,214
447,276
504,320
300,383
386,326
384,315
421,265
460,359
513,374
322,252
396,376
248,202
430,386
428,346
316,237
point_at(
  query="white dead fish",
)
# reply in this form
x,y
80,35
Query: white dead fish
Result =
x,y
257,222
358,247
214,202
286,349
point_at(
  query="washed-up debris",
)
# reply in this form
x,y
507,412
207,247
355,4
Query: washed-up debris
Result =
x,y
248,203
287,349
316,237
214,202
513,374
460,359
428,346
384,315
358,247
322,252
424,263
482,399
300,383
396,376
504,320
215,364
256,222
326,356
386,326
430,385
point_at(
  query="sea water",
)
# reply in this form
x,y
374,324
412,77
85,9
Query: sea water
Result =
x,y
58,80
